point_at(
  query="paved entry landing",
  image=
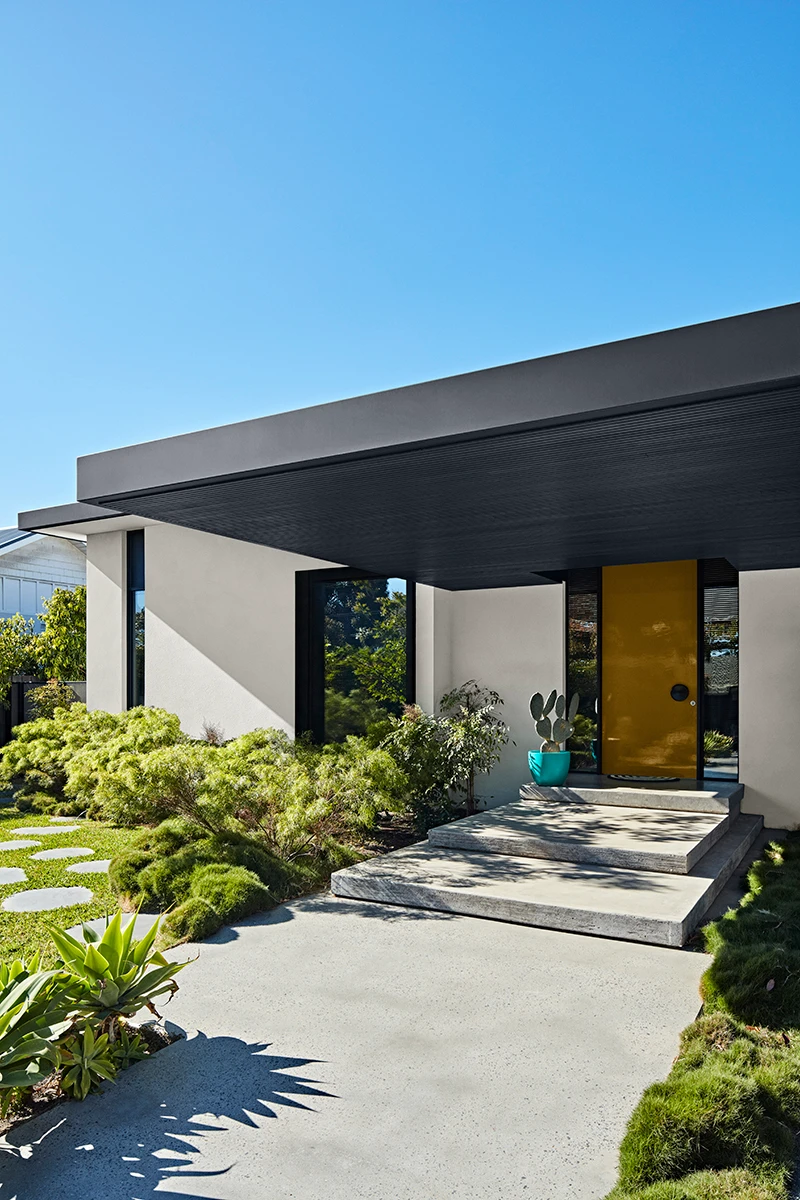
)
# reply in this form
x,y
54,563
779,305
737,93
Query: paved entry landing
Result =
x,y
639,863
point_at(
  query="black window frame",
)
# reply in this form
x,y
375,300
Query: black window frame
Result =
x,y
135,584
310,646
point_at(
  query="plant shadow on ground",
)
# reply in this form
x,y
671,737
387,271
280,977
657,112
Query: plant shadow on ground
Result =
x,y
157,1124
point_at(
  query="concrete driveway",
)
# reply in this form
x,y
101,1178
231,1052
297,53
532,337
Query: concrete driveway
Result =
x,y
346,1051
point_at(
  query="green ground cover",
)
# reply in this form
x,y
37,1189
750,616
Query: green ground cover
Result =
x,y
724,1123
24,933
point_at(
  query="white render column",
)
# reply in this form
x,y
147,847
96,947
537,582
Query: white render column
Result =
x,y
106,625
433,645
769,694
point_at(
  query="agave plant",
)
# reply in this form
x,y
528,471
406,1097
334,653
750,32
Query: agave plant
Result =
x,y
87,1060
115,975
34,1010
559,729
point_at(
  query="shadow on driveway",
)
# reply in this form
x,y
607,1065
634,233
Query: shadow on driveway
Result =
x,y
157,1123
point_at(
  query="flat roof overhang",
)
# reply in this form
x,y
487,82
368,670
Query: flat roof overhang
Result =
x,y
683,444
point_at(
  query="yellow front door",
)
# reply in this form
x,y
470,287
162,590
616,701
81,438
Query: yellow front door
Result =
x,y
649,660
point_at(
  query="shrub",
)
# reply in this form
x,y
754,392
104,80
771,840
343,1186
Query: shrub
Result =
x,y
159,866
191,921
166,838
704,1118
124,871
50,696
722,1125
294,797
233,892
69,753
105,768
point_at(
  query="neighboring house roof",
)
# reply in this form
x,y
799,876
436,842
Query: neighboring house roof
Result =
x,y
14,537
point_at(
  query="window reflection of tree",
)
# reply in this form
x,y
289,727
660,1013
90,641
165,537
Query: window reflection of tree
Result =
x,y
365,654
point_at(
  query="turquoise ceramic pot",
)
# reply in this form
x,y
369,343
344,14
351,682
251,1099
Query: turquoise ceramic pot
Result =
x,y
550,770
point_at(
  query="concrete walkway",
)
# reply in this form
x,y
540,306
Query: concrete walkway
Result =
x,y
349,1051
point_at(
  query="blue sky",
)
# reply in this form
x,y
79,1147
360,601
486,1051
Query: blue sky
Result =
x,y
211,211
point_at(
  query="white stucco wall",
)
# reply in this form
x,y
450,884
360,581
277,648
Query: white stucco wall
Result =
x,y
220,638
219,630
105,621
512,640
769,694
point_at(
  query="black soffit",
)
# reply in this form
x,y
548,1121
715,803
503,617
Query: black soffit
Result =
x,y
714,479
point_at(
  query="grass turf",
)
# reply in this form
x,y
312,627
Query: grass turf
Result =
x,y
23,933
722,1126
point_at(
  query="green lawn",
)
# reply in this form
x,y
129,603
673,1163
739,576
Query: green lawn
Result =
x,y
23,933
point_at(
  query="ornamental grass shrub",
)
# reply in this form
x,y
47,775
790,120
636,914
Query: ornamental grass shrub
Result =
x,y
723,1124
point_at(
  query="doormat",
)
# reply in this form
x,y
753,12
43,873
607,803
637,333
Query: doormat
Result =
x,y
647,778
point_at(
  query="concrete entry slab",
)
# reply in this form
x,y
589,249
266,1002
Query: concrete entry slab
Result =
x,y
410,1056
616,902
607,835
684,795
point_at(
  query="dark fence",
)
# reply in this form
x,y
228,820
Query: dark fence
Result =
x,y
19,708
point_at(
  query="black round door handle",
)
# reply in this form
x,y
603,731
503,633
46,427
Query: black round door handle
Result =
x,y
679,691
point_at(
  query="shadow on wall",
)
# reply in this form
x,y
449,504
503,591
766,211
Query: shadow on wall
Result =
x,y
157,1124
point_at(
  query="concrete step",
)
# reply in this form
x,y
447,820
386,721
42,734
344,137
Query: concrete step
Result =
x,y
686,795
577,831
641,906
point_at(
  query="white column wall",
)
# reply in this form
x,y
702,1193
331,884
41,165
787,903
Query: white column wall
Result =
x,y
511,640
433,630
220,630
769,694
106,675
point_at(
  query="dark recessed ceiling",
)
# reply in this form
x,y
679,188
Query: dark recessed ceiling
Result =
x,y
716,479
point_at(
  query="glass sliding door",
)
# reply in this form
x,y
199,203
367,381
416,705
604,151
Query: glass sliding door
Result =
x,y
355,652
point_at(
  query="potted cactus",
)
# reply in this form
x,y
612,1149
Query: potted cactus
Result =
x,y
550,765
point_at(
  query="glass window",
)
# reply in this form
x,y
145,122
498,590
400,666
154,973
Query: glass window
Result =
x,y
583,589
357,663
10,596
720,604
136,617
28,598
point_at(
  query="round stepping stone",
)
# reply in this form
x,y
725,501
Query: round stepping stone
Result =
x,y
98,867
40,831
62,819
64,852
42,899
12,875
21,844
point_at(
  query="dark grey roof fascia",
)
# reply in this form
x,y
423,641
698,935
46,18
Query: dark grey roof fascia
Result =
x,y
63,514
656,370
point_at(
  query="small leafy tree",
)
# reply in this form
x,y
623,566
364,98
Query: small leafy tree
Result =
x,y
18,651
474,735
61,646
